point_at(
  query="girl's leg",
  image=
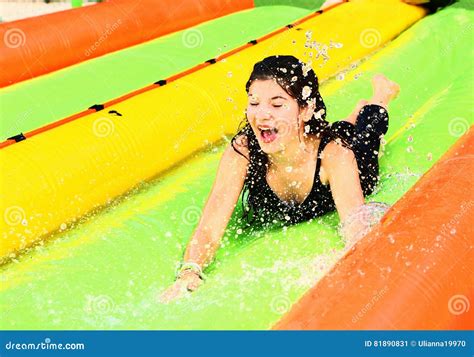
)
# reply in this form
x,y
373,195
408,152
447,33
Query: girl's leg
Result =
x,y
384,90
371,121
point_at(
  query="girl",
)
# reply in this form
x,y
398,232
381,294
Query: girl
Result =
x,y
292,164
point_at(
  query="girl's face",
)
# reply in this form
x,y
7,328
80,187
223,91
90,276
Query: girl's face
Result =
x,y
274,116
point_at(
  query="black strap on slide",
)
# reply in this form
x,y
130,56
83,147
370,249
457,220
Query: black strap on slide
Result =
x,y
97,107
17,138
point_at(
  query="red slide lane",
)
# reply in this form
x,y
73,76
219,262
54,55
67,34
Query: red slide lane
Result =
x,y
42,44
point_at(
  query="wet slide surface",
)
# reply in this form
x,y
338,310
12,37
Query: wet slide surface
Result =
x,y
28,105
106,272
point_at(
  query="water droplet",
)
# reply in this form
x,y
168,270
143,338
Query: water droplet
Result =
x,y
410,138
239,231
410,149
453,231
289,168
429,156
63,226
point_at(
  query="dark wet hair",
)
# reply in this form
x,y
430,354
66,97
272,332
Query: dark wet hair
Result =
x,y
293,76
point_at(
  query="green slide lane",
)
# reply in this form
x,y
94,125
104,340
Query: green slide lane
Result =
x,y
307,4
106,272
31,104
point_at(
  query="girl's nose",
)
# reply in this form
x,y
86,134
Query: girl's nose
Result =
x,y
263,114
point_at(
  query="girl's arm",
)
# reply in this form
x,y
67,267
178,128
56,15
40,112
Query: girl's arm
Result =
x,y
219,207
217,211
341,167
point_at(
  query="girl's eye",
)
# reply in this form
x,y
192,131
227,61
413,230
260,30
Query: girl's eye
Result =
x,y
253,104
277,105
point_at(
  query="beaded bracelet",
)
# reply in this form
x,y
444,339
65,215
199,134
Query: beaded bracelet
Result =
x,y
190,266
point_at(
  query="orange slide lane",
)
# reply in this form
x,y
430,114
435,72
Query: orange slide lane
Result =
x,y
42,44
415,270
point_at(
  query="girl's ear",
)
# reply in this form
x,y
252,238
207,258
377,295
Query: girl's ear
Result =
x,y
307,113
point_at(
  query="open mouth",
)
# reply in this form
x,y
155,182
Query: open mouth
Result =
x,y
268,134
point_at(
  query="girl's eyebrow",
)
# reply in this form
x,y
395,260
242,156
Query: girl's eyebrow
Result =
x,y
275,97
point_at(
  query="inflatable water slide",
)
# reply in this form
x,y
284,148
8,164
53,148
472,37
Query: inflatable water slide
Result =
x,y
115,116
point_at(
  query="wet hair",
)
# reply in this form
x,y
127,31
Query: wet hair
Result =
x,y
434,5
300,82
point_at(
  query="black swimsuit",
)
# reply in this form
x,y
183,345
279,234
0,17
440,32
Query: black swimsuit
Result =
x,y
363,138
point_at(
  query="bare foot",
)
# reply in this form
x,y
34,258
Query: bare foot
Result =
x,y
329,3
384,88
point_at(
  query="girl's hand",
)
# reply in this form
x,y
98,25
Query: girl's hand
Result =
x,y
188,281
